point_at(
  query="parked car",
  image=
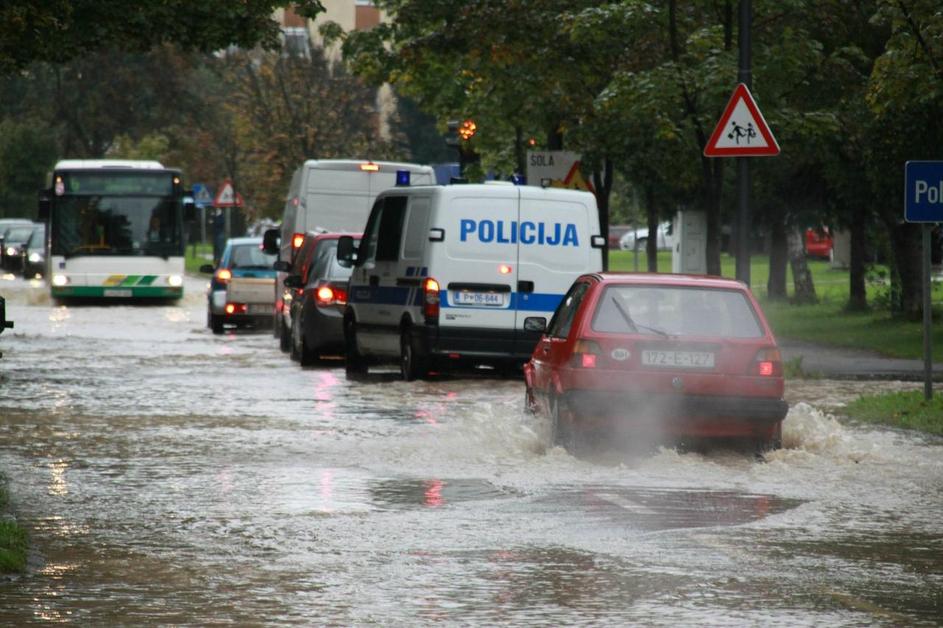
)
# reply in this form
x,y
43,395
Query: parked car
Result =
x,y
316,311
615,235
659,357
639,237
242,289
33,253
14,239
6,223
818,243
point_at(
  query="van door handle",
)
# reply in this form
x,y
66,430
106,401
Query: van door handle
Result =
x,y
525,286
374,281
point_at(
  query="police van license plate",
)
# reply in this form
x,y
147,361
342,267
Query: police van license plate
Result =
x,y
487,299
678,359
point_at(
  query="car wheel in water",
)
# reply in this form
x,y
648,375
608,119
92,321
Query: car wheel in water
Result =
x,y
284,335
294,340
769,442
355,365
216,323
411,366
306,355
563,431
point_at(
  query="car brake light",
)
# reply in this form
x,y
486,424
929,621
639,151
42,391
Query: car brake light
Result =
x,y
236,308
296,240
768,363
585,354
370,167
325,295
223,275
430,307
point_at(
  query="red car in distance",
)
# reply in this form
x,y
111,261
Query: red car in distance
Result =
x,y
657,358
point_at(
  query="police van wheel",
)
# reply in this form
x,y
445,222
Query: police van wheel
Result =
x,y
411,365
355,365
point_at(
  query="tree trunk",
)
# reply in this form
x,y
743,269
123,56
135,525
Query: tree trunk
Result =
x,y
602,181
801,275
651,242
905,238
778,258
857,292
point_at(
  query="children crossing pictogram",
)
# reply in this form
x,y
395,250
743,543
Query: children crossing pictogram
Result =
x,y
742,131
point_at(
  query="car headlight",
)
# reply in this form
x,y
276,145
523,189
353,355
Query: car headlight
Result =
x,y
35,258
175,280
60,280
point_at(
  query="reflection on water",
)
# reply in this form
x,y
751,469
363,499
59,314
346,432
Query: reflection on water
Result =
x,y
170,476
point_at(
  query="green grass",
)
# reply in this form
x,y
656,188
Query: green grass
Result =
x,y
825,322
13,539
908,410
193,261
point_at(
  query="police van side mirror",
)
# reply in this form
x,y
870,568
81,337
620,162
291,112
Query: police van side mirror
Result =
x,y
536,324
346,254
270,241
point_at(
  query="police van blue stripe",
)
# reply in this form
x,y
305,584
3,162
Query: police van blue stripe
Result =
x,y
520,301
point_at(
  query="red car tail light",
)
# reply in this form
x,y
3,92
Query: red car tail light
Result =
x,y
223,275
585,354
768,363
330,295
236,308
430,301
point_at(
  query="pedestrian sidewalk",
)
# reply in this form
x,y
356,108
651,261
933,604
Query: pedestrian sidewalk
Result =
x,y
841,363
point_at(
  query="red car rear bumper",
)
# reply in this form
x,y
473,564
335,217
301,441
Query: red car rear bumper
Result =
x,y
677,414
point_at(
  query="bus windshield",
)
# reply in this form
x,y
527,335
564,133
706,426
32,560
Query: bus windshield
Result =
x,y
116,214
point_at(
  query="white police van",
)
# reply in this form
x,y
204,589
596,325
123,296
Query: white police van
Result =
x,y
446,275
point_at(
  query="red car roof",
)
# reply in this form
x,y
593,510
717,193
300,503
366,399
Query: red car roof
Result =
x,y
670,279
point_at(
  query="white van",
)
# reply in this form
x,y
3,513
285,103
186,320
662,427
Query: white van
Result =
x,y
447,274
334,195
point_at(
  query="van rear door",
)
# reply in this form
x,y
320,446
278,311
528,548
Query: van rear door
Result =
x,y
480,270
554,234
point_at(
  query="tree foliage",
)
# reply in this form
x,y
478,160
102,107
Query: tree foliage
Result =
x,y
61,30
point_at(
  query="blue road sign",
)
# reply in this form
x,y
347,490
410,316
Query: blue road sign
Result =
x,y
202,196
923,191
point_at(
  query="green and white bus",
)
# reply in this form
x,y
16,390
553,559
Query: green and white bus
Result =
x,y
115,229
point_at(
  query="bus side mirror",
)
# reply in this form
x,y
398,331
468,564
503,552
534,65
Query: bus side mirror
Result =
x,y
270,241
346,254
45,206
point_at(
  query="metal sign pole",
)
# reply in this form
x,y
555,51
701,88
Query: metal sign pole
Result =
x,y
744,75
927,317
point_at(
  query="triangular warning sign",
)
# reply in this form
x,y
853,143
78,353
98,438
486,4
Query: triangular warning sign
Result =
x,y
742,130
226,196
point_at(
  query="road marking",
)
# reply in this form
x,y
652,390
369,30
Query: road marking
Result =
x,y
626,504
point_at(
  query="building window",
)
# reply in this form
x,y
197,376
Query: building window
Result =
x,y
295,41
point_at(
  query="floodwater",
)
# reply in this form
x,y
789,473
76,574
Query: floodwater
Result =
x,y
170,476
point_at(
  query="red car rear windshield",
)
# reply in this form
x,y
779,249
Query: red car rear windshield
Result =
x,y
676,311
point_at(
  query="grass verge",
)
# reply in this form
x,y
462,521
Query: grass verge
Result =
x,y
196,256
908,410
13,539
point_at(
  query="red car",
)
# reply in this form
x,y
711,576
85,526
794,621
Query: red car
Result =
x,y
657,357
818,243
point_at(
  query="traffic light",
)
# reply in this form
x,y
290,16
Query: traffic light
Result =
x,y
467,129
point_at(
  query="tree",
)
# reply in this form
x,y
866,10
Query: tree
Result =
x,y
60,30
26,155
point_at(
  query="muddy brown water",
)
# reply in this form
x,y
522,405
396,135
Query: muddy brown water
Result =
x,y
169,476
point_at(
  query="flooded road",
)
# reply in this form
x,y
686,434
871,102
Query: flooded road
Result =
x,y
170,476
